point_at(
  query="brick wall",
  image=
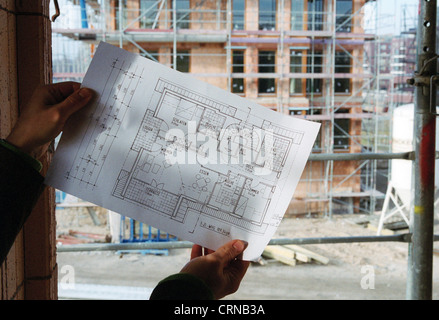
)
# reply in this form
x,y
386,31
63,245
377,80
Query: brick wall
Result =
x,y
29,271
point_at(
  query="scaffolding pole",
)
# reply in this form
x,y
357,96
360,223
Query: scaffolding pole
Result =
x,y
405,237
420,255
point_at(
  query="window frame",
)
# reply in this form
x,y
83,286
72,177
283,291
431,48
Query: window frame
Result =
x,y
343,17
274,52
320,14
306,56
186,23
243,15
153,11
341,70
302,68
235,71
337,121
272,19
297,4
185,53
317,82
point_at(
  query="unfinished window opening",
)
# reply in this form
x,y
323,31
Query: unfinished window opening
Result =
x,y
148,11
316,111
182,8
267,65
297,10
314,64
296,66
315,15
341,131
152,55
183,61
120,18
267,14
238,9
343,20
238,67
342,66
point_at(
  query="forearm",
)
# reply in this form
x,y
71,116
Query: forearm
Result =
x,y
20,187
40,122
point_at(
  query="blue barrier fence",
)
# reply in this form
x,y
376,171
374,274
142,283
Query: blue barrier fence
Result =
x,y
133,231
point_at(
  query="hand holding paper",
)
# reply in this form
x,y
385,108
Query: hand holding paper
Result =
x,y
43,118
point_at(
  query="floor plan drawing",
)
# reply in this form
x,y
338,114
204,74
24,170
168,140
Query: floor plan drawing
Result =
x,y
178,154
224,195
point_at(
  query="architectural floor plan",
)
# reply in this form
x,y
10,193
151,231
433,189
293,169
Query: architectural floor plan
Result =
x,y
181,155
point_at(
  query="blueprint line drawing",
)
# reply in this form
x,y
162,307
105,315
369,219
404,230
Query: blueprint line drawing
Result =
x,y
236,163
221,195
104,124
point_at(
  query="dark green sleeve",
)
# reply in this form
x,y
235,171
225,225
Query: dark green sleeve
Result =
x,y
21,185
182,286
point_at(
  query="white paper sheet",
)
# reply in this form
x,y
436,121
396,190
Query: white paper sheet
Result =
x,y
181,155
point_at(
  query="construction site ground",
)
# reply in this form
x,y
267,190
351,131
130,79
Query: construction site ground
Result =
x,y
362,271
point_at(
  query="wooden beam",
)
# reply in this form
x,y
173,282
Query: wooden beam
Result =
x,y
281,254
290,254
310,254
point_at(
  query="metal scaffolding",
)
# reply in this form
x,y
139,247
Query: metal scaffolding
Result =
x,y
304,58
421,223
316,60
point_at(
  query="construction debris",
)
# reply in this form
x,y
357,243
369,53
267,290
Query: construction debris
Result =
x,y
389,227
281,254
291,254
77,237
312,256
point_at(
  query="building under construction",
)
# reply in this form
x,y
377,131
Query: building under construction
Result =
x,y
308,59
